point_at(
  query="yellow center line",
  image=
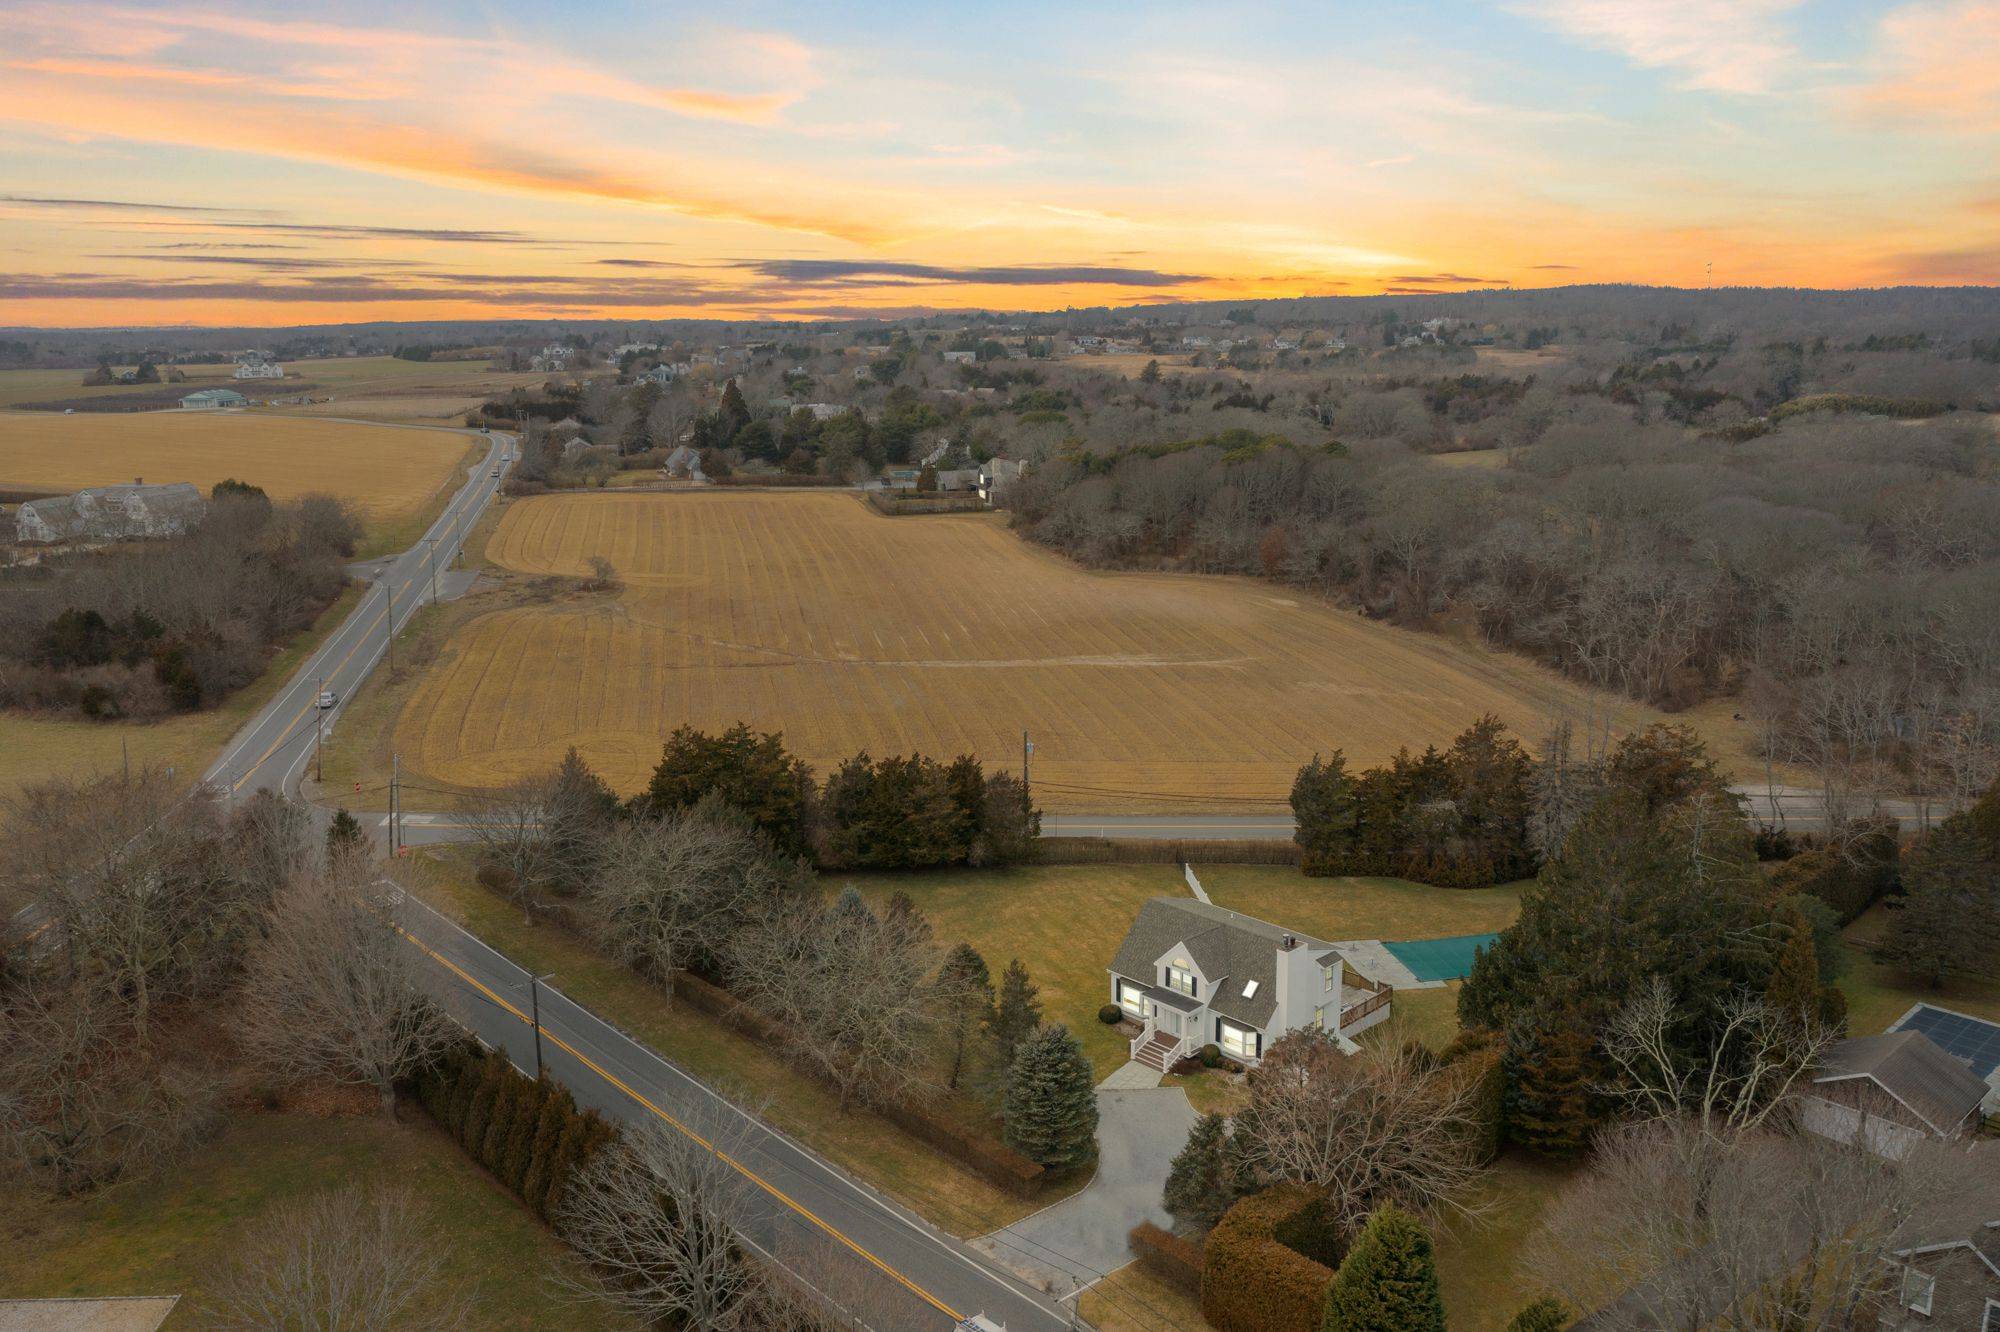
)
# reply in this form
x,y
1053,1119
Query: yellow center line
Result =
x,y
731,1161
284,732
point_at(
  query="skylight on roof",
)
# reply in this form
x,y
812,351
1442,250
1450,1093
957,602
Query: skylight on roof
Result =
x,y
1249,989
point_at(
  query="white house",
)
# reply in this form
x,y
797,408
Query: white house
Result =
x,y
960,357
996,473
260,370
665,373
1890,1092
1193,974
212,399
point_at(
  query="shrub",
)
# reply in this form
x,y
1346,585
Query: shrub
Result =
x,y
1389,1281
1250,1282
1849,879
1211,1056
1484,1067
1315,1231
1110,1015
492,1147
557,1110
520,1143
1174,1260
1544,1315
479,1113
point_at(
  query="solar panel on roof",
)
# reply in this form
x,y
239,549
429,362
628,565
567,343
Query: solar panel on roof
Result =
x,y
1971,1039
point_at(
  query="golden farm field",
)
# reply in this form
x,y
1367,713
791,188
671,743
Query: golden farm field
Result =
x,y
389,473
847,630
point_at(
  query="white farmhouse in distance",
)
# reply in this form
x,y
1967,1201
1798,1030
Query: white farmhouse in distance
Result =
x,y
260,370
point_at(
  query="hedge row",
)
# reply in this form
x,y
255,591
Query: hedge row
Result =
x,y
784,480
1167,1256
1439,870
991,1159
883,501
526,1131
1850,879
1252,1282
1157,851
1872,404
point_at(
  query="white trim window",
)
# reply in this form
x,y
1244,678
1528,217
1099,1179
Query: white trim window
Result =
x,y
1239,1042
1918,1288
1326,978
1132,998
1180,978
1991,1323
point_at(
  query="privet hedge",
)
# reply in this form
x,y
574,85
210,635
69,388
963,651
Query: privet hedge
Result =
x,y
1251,1282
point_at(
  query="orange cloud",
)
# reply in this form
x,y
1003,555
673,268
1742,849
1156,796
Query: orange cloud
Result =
x,y
1942,66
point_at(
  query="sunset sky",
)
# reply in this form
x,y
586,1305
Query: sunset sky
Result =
x,y
215,164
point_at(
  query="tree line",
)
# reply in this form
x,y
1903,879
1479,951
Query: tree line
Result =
x,y
174,624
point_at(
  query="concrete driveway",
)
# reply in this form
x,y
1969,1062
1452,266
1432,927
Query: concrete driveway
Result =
x,y
1079,1240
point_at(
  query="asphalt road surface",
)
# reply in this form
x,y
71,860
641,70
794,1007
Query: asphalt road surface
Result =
x,y
886,1266
271,751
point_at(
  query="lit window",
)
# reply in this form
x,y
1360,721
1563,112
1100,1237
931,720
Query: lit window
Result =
x,y
1238,1041
1917,1290
1181,980
1326,975
1249,989
1132,999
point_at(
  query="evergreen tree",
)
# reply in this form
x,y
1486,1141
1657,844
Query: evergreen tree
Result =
x,y
557,1108
1018,1012
506,1104
1202,1182
1794,986
518,1151
1388,1282
1950,919
754,773
344,836
734,413
1547,1314
1051,1106
1551,1107
965,1002
479,1111
1008,823
1323,807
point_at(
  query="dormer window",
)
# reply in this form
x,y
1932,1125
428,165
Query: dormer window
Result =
x,y
1918,1287
1326,975
1180,978
1249,989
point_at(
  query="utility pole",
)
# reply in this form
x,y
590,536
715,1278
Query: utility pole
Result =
x,y
395,803
125,753
434,570
319,732
535,1007
1027,752
389,620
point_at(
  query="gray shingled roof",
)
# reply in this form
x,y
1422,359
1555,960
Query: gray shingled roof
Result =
x,y
1910,1067
1229,948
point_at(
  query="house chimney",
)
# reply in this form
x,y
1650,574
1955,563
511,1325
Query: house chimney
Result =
x,y
1288,942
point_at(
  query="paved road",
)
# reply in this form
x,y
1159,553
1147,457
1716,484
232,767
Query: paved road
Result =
x,y
272,749
884,1264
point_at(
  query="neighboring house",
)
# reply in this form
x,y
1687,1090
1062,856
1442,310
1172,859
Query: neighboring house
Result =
x,y
960,357
1974,1040
1890,1092
958,478
684,461
211,399
110,513
665,373
1947,1256
996,473
824,411
260,370
1192,974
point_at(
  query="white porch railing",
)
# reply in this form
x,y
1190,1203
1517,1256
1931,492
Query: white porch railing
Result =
x,y
1173,1052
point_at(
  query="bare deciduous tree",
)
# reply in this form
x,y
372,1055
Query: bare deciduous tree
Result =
x,y
1766,1230
850,990
351,1259
1382,1127
334,990
653,1222
78,1105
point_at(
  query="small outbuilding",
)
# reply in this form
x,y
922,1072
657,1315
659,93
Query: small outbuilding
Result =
x,y
212,399
1890,1092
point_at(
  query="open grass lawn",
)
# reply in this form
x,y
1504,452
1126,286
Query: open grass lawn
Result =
x,y
34,748
1359,908
865,1145
813,615
1134,1300
1878,994
1063,921
390,473
178,1231
1477,1258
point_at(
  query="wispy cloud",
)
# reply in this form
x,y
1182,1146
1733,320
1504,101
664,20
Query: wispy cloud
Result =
x,y
108,205
1734,46
1940,64
1034,275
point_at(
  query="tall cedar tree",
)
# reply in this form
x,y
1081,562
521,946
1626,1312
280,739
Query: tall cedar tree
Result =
x,y
1202,1181
344,835
1950,919
1008,824
1051,1107
1794,986
898,813
752,772
965,1003
1388,1282
735,413
1017,1014
581,808
1552,1104
1323,808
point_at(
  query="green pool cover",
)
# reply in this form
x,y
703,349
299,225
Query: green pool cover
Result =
x,y
1440,959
